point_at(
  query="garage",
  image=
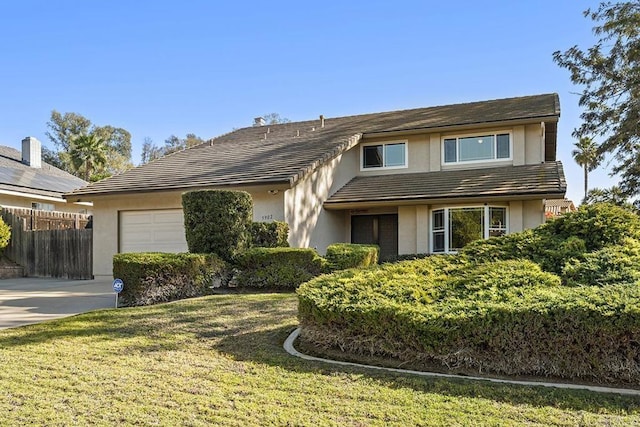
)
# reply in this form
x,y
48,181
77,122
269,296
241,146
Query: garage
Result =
x,y
152,231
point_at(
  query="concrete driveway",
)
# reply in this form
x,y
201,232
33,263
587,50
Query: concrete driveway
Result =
x,y
32,300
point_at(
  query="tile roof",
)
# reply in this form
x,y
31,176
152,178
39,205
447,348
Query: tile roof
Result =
x,y
284,153
544,179
46,181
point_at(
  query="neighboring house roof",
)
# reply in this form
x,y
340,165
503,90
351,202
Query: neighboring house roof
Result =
x,y
48,180
559,206
284,153
541,180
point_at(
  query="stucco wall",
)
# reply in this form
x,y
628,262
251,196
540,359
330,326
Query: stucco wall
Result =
x,y
424,151
310,225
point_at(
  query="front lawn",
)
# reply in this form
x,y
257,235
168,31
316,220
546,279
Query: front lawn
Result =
x,y
219,361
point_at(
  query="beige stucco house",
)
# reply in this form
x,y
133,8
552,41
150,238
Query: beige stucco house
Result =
x,y
28,182
425,180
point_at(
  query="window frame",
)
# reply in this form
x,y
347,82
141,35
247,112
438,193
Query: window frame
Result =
x,y
403,142
486,227
459,136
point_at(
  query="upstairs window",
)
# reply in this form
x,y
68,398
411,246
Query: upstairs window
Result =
x,y
378,156
480,148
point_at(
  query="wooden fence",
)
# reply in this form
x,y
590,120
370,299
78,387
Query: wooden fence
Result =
x,y
62,253
50,220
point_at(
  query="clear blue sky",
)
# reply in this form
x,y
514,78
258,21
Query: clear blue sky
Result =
x,y
158,68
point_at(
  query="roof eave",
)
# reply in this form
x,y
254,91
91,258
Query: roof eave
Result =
x,y
463,126
433,200
88,196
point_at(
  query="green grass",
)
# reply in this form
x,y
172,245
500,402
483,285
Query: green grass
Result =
x,y
219,361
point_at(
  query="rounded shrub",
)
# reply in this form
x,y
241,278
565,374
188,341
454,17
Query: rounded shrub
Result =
x,y
217,221
599,225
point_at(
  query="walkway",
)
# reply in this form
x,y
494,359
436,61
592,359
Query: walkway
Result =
x,y
32,300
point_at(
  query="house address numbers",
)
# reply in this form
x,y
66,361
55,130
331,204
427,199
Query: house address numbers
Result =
x,y
268,217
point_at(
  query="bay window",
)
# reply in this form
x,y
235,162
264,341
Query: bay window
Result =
x,y
454,228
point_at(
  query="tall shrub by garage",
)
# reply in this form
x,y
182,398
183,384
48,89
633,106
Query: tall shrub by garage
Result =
x,y
217,221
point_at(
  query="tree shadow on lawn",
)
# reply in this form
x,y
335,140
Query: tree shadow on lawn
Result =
x,y
267,347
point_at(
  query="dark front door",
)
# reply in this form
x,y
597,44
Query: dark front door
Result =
x,y
381,230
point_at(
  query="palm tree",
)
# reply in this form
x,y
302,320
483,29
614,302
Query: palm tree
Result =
x,y
88,151
586,155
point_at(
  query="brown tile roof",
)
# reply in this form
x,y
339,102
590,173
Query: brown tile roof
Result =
x,y
283,153
542,180
46,181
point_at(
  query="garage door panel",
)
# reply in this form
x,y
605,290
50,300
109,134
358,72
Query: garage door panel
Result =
x,y
152,231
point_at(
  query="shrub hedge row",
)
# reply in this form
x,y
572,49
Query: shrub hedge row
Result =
x,y
278,268
154,277
507,317
561,300
269,234
341,256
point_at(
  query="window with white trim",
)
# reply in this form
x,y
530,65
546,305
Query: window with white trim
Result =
x,y
454,228
476,148
389,155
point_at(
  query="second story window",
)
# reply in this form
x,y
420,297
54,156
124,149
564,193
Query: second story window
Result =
x,y
477,148
390,155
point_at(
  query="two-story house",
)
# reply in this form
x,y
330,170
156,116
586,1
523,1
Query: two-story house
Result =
x,y
424,180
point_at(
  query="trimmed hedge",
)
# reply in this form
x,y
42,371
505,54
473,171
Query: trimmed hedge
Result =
x,y
508,317
154,277
341,256
217,221
560,300
269,234
278,268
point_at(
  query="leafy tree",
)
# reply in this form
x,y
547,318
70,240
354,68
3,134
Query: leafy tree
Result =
x,y
613,195
274,119
150,151
88,152
586,155
65,128
609,74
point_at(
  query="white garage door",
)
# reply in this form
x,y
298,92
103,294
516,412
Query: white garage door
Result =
x,y
152,231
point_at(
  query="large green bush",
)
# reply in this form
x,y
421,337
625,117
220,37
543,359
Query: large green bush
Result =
x,y
217,221
269,234
341,256
560,300
525,325
277,268
154,277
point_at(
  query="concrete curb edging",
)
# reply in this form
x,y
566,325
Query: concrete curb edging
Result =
x,y
288,346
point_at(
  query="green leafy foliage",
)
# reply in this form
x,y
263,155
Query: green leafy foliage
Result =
x,y
561,300
217,221
610,265
154,277
609,79
5,234
269,234
278,268
350,255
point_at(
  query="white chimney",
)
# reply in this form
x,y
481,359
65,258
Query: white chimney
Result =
x,y
32,152
259,121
